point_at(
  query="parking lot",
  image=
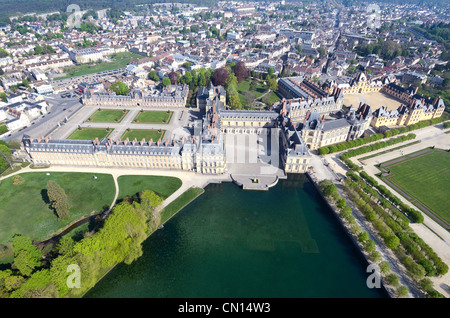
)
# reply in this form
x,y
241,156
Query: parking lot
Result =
x,y
58,110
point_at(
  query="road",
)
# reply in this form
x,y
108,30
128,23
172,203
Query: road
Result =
x,y
59,108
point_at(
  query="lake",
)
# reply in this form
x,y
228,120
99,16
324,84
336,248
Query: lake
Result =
x,y
281,243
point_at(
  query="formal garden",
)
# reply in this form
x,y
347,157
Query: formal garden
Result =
x,y
90,133
146,134
108,116
153,117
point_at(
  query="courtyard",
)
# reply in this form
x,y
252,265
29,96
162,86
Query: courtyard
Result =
x,y
374,99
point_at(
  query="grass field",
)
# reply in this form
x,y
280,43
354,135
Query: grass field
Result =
x,y
90,133
425,180
119,60
24,210
108,116
130,185
143,133
153,117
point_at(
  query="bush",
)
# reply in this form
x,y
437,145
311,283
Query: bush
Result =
x,y
17,180
392,279
375,256
402,291
323,150
369,246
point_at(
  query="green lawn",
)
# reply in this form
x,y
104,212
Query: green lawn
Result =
x,y
143,133
246,95
108,116
425,178
90,133
179,203
164,186
270,99
119,60
23,209
153,117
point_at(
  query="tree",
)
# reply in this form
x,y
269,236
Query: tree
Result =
x,y
153,76
27,257
392,241
3,53
65,245
188,77
173,77
363,236
166,81
234,101
270,71
5,158
149,200
119,88
58,200
392,279
273,84
231,82
402,291
220,76
241,71
341,203
384,267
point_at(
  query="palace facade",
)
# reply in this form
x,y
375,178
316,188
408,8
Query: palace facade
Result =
x,y
171,96
360,84
301,95
417,108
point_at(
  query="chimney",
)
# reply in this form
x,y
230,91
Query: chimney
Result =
x,y
142,141
134,141
125,142
150,141
158,142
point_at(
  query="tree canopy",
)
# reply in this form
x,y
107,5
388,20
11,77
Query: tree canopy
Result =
x,y
119,88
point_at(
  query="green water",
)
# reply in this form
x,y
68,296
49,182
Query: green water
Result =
x,y
233,243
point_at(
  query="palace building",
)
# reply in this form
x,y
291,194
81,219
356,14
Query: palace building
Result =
x,y
417,108
360,84
302,96
171,96
203,151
